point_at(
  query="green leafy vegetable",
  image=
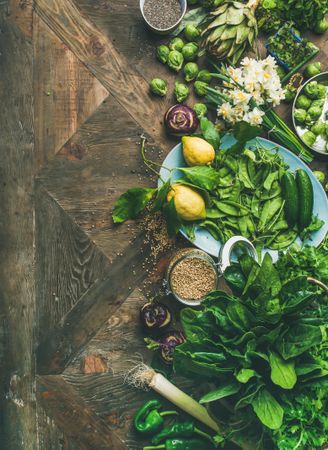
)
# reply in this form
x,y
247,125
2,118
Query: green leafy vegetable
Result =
x,y
268,409
131,203
282,372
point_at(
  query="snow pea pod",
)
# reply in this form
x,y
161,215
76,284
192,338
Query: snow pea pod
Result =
x,y
213,229
243,175
251,169
273,176
223,171
269,209
283,240
242,222
231,163
274,192
213,213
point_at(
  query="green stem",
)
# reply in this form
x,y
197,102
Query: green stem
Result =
x,y
148,162
168,413
152,447
203,434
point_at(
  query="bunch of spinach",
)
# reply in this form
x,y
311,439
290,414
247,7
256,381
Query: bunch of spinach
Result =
x,y
259,347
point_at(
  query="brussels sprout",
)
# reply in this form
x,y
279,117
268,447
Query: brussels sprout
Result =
x,y
318,103
176,44
190,71
158,87
309,138
300,115
314,113
200,109
321,26
175,60
290,94
320,176
303,102
210,3
190,51
200,88
315,90
162,53
319,128
205,76
181,92
312,69
191,32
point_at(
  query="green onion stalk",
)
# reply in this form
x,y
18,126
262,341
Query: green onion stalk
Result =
x,y
272,123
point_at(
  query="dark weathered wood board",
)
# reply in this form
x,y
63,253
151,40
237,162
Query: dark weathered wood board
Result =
x,y
74,91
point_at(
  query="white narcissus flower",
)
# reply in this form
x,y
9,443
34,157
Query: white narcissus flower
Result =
x,y
226,111
239,96
254,117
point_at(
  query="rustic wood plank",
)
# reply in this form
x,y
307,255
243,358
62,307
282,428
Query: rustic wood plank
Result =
x,y
89,314
93,169
50,437
21,12
67,265
65,92
17,236
128,87
70,413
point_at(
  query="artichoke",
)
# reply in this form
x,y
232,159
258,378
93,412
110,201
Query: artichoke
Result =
x,y
231,29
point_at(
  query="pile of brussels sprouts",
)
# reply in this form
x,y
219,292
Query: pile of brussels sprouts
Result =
x,y
180,55
308,113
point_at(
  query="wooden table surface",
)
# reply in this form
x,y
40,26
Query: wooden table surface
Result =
x,y
74,95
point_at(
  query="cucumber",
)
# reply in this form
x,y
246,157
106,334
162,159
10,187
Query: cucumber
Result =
x,y
305,194
290,194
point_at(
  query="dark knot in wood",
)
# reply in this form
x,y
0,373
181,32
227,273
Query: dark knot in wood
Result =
x,y
96,47
75,151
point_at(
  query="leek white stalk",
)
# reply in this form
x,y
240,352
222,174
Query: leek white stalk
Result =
x,y
143,376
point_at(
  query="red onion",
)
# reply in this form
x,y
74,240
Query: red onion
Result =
x,y
181,120
155,316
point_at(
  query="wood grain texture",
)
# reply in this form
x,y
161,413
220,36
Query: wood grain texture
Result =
x,y
67,263
70,413
97,52
21,13
17,236
100,162
84,320
65,92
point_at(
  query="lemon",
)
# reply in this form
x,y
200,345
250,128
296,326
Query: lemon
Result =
x,y
197,152
188,203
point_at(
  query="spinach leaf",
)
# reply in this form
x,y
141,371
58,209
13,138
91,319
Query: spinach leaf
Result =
x,y
161,195
131,203
298,339
225,390
268,410
282,372
240,316
235,278
201,176
244,375
210,132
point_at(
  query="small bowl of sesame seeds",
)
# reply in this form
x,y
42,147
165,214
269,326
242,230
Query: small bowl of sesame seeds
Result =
x,y
191,275
163,16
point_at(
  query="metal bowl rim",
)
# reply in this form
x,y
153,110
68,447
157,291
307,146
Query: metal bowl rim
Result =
x,y
323,74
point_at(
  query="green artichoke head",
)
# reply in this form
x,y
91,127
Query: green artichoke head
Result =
x,y
231,30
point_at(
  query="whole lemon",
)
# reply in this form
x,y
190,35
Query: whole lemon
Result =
x,y
197,151
188,203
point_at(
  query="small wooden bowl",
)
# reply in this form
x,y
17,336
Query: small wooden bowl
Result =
x,y
183,4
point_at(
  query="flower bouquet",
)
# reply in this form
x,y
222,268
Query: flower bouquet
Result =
x,y
248,94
